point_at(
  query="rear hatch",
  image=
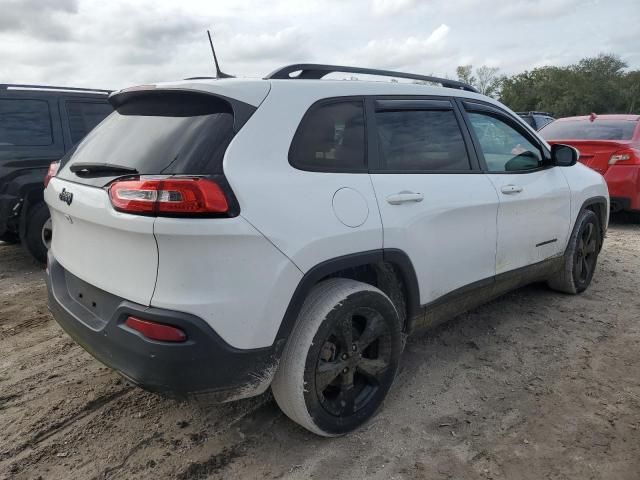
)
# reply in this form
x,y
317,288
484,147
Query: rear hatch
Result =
x,y
154,136
597,140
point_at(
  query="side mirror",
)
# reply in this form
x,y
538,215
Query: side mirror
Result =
x,y
564,155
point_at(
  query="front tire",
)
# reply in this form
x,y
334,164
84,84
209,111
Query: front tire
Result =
x,y
581,256
37,237
341,357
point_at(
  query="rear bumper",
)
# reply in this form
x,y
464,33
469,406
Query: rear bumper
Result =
x,y
624,186
204,365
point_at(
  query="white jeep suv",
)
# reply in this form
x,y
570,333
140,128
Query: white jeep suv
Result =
x,y
217,237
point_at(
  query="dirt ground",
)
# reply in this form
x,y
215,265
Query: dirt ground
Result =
x,y
536,385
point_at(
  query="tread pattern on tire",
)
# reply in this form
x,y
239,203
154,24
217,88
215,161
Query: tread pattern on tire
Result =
x,y
288,384
32,239
564,281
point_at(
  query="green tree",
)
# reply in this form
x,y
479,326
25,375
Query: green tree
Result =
x,y
465,74
596,84
487,80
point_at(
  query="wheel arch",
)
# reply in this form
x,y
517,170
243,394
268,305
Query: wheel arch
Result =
x,y
597,205
384,263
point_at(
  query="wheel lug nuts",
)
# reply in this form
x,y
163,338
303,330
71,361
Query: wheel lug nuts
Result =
x,y
354,347
344,356
346,369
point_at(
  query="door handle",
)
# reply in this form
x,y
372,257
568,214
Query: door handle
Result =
x,y
510,189
404,197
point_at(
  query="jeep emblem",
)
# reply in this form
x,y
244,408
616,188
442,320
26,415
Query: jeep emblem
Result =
x,y
66,197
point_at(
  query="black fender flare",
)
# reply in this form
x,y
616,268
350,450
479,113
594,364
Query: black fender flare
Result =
x,y
398,258
599,201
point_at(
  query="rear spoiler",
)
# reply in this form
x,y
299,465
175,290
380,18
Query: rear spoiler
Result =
x,y
186,102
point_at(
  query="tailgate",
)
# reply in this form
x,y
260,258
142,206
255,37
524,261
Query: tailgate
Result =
x,y
113,251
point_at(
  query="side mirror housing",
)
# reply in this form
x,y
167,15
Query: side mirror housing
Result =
x,y
564,155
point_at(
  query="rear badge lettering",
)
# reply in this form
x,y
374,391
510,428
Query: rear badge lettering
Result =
x,y
66,197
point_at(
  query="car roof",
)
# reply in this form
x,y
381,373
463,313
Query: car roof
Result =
x,y
631,118
254,90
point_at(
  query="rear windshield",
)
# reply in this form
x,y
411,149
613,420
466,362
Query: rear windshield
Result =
x,y
528,119
588,130
160,133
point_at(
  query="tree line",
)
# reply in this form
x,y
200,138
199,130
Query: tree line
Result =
x,y
600,84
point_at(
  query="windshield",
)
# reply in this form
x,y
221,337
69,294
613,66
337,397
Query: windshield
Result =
x,y
585,129
176,133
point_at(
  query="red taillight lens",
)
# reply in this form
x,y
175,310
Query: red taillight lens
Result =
x,y
53,169
628,156
156,331
172,196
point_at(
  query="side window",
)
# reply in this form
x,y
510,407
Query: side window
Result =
x,y
84,116
25,123
504,148
421,140
331,138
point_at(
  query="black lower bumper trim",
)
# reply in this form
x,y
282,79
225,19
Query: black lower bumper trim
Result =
x,y
620,204
204,364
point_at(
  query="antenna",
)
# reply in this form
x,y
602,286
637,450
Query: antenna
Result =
x,y
219,73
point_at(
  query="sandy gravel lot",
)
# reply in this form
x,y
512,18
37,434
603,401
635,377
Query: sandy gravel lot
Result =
x,y
536,385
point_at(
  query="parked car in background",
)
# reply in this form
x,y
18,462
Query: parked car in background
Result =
x,y
38,125
536,119
610,144
217,237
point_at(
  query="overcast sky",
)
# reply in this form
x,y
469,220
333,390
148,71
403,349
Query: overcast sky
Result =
x,y
113,44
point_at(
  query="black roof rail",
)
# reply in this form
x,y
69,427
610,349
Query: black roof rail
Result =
x,y
16,86
317,71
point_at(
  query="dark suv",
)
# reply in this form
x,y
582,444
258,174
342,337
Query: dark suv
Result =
x,y
537,119
38,125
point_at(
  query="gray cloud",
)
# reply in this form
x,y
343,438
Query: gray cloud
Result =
x,y
38,18
118,43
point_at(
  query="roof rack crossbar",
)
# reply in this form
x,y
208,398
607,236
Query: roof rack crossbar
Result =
x,y
317,71
49,87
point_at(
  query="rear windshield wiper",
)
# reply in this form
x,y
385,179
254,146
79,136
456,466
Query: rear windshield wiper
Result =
x,y
98,169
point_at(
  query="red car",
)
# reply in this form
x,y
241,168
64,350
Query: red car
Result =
x,y
610,144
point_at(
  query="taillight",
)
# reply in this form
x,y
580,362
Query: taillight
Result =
x,y
171,196
53,169
625,157
156,331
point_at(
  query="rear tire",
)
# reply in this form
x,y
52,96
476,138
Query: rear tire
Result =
x,y
341,357
581,256
36,236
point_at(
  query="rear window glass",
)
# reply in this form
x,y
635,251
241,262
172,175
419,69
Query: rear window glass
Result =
x,y
428,140
331,138
588,130
528,119
25,123
160,133
84,116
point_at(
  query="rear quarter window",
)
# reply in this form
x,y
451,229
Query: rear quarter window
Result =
x,y
25,123
331,138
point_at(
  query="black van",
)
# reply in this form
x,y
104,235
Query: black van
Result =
x,y
38,125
